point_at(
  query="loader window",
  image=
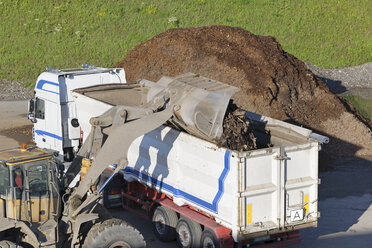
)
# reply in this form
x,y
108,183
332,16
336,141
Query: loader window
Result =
x,y
4,179
40,108
37,179
18,182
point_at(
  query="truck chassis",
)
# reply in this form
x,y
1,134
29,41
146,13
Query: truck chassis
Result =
x,y
144,202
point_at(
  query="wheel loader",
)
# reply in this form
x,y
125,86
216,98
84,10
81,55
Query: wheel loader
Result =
x,y
38,205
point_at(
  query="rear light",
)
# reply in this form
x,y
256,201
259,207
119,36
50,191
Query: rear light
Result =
x,y
114,192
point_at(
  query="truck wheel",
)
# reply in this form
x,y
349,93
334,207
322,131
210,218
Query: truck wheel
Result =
x,y
164,222
114,233
68,154
188,233
8,244
209,240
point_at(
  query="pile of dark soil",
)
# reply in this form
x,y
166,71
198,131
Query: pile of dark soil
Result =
x,y
271,81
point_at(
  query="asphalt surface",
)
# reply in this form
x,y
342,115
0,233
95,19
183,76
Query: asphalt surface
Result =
x,y
345,197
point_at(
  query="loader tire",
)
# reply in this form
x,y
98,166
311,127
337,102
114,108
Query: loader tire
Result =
x,y
103,215
8,244
102,212
114,233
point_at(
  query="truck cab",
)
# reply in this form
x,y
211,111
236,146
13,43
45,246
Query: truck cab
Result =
x,y
53,110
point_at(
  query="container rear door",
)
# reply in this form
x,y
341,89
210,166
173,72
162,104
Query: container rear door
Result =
x,y
261,191
301,184
279,188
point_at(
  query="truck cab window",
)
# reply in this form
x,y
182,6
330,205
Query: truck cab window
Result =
x,y
40,109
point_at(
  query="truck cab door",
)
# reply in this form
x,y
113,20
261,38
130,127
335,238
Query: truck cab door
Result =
x,y
47,126
40,132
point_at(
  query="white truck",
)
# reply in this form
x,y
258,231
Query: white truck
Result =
x,y
53,110
201,194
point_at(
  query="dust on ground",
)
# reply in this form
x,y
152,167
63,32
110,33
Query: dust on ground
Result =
x,y
22,134
272,82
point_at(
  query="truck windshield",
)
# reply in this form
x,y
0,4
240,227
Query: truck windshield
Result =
x,y
4,179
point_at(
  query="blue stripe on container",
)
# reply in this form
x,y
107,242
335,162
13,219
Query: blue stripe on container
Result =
x,y
41,83
180,193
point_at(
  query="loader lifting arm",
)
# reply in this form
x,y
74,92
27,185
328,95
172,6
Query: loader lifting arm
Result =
x,y
194,103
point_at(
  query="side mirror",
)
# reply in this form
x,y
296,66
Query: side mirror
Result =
x,y
31,106
31,109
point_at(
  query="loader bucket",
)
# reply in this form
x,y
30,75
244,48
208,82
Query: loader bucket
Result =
x,y
200,103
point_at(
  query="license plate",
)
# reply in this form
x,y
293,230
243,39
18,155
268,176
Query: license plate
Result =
x,y
260,239
297,215
112,197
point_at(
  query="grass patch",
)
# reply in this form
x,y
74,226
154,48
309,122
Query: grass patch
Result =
x,y
62,34
364,106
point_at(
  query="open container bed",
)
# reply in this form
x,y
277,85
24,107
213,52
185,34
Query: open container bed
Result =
x,y
253,193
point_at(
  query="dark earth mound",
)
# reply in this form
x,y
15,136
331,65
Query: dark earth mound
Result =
x,y
272,82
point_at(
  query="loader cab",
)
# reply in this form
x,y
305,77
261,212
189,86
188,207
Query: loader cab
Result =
x,y
29,187
53,110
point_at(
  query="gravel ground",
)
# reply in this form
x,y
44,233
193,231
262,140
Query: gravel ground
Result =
x,y
11,90
356,80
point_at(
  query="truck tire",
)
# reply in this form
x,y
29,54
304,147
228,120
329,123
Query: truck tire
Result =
x,y
164,222
68,154
188,233
114,233
209,240
8,244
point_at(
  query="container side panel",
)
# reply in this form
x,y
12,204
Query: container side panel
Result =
x,y
192,171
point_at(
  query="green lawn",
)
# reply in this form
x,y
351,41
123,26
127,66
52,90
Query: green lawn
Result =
x,y
62,34
364,106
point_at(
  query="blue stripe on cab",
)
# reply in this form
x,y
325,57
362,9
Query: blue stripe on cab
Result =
x,y
40,132
41,83
180,193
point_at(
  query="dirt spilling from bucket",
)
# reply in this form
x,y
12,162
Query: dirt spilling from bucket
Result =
x,y
237,131
271,81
